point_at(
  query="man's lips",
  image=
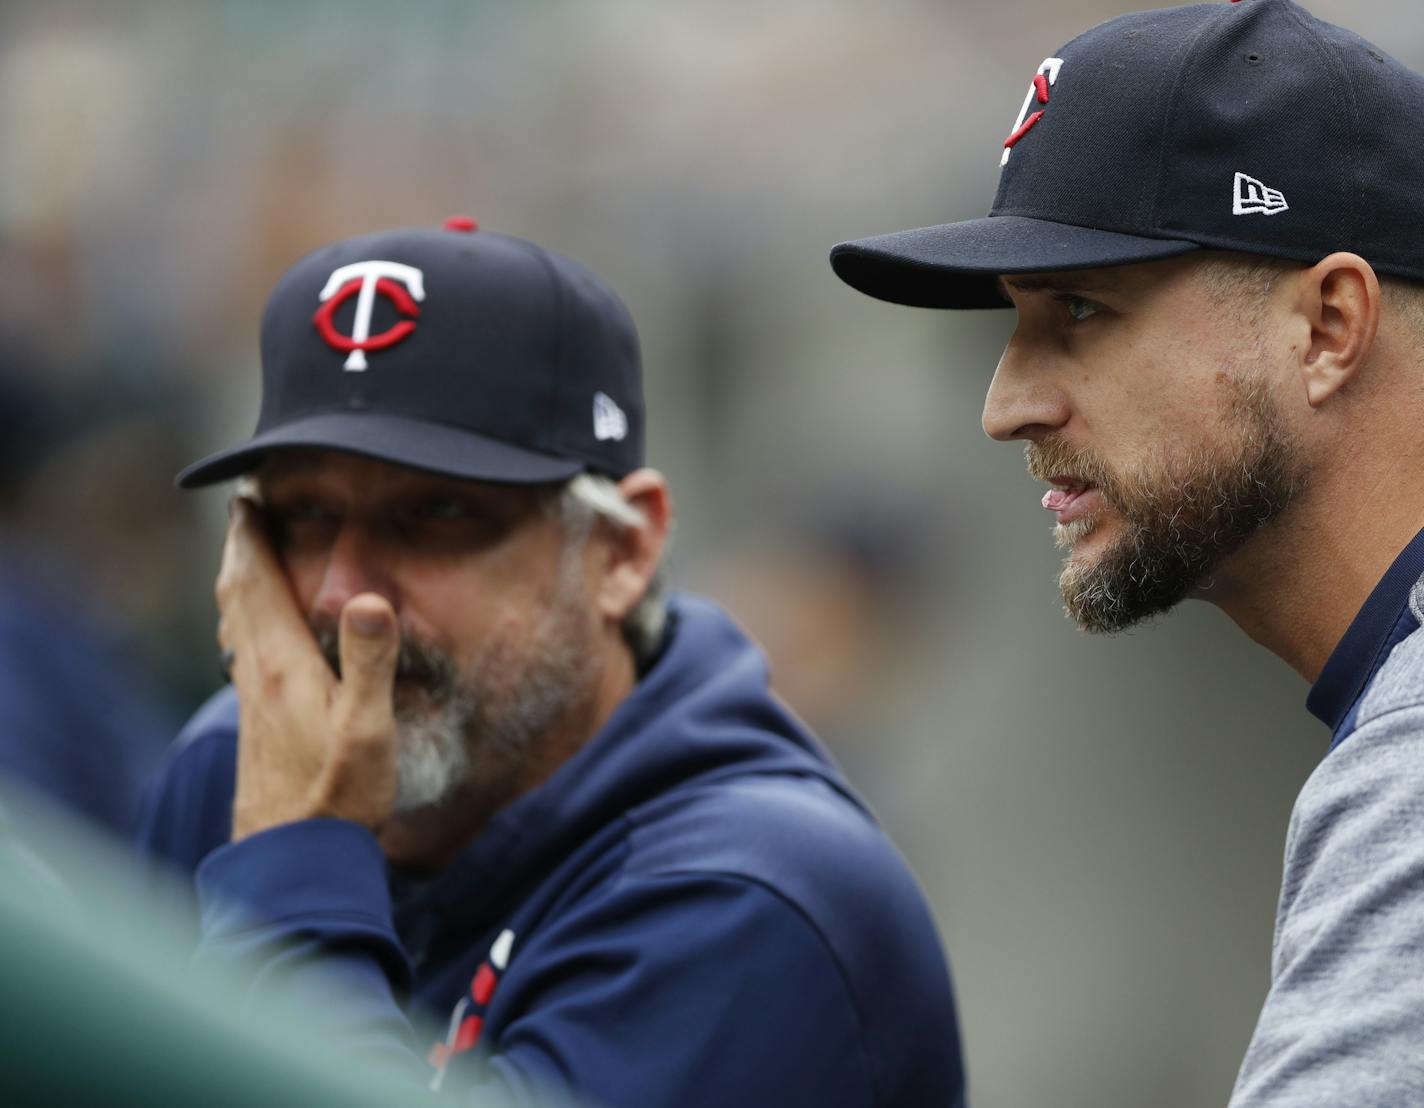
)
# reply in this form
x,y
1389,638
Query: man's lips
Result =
x,y
1071,499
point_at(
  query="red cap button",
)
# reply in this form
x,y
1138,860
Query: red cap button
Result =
x,y
461,223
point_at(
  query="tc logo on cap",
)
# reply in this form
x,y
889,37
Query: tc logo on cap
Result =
x,y
364,280
1046,77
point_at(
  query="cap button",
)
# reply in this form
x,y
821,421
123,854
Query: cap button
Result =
x,y
461,223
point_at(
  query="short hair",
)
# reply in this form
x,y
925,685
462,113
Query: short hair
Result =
x,y
1405,298
1247,279
589,497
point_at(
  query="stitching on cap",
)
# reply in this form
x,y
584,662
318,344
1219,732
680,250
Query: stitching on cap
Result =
x,y
551,416
1340,76
1169,111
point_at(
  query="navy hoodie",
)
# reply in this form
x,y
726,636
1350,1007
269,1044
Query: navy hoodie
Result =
x,y
694,910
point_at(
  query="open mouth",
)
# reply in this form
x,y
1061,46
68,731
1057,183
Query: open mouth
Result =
x,y
1071,498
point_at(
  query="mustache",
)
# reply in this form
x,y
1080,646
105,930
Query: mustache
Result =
x,y
1052,457
418,662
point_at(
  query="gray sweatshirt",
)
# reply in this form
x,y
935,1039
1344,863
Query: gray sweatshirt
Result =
x,y
1343,1024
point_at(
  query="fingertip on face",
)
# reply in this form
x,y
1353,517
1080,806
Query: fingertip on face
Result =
x,y
368,613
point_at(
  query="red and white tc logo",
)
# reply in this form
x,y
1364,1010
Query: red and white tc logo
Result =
x,y
364,280
1043,80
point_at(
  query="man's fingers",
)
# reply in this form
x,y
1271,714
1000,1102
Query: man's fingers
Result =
x,y
370,648
259,613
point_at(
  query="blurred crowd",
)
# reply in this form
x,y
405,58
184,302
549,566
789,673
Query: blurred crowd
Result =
x,y
1088,847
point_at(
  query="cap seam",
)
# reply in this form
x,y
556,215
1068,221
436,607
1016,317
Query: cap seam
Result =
x,y
1168,120
551,412
1338,76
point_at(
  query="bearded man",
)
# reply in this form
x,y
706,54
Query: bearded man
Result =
x,y
472,757
1208,224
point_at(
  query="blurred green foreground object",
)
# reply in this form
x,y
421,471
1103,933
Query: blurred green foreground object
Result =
x,y
93,1011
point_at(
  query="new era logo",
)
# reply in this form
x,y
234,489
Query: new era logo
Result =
x,y
1254,197
609,422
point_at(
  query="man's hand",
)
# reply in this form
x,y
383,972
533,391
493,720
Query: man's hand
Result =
x,y
309,744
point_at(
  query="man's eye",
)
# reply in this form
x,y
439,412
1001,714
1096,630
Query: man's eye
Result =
x,y
302,511
443,522
1079,309
299,523
443,509
305,514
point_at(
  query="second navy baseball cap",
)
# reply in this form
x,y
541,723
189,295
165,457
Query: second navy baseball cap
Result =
x,y
450,349
1247,126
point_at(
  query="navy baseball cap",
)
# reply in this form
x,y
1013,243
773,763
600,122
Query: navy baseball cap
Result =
x,y
448,349
1248,126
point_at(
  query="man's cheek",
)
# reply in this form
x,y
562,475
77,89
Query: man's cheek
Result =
x,y
410,698
304,576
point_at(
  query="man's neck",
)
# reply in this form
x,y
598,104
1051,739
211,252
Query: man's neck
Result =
x,y
1298,583
430,839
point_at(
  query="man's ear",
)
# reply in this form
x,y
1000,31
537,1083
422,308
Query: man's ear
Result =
x,y
635,552
1339,301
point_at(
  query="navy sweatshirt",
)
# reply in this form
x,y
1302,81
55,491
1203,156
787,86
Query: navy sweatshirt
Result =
x,y
694,910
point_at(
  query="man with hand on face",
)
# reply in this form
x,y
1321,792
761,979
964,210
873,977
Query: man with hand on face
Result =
x,y
1209,223
472,757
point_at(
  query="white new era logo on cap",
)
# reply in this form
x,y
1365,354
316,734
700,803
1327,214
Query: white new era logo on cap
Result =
x,y
609,421
1254,197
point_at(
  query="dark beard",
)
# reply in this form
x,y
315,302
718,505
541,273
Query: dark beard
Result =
x,y
1180,519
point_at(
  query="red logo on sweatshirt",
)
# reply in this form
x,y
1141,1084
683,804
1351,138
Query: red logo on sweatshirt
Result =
x,y
467,1021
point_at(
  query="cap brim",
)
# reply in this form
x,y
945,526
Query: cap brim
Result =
x,y
955,265
422,444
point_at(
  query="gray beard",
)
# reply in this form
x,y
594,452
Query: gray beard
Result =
x,y
1180,518
432,758
476,730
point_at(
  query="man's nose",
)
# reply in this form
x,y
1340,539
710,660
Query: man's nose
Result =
x,y
354,565
1023,401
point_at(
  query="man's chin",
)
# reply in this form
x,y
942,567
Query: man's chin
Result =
x,y
1084,540
432,759
1098,586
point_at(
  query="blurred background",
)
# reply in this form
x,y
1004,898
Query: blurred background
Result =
x,y
1098,823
